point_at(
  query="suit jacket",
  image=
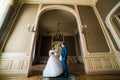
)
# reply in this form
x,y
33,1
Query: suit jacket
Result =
x,y
64,52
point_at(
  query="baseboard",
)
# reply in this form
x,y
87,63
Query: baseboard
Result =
x,y
14,75
102,72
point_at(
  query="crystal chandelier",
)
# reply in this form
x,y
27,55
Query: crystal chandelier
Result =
x,y
58,36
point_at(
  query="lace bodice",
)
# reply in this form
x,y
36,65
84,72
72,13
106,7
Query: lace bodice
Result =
x,y
53,52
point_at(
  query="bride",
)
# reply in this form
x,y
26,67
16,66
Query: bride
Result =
x,y
53,67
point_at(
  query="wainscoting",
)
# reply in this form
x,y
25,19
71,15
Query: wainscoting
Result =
x,y
75,69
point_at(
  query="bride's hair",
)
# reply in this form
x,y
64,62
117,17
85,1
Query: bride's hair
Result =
x,y
51,47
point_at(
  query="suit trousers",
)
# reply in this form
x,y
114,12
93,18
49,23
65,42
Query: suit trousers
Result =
x,y
64,65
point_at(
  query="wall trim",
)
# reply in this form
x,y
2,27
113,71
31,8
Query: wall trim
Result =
x,y
109,24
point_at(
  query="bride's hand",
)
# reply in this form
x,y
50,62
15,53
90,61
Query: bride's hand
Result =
x,y
50,54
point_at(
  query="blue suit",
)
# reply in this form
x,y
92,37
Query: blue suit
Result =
x,y
64,54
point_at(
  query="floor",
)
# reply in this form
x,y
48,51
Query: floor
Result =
x,y
78,71
75,69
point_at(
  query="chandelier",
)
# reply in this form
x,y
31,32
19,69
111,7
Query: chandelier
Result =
x,y
58,36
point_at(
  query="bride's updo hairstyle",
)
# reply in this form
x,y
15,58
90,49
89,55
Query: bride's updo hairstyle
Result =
x,y
52,47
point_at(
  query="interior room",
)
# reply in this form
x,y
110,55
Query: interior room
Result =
x,y
89,28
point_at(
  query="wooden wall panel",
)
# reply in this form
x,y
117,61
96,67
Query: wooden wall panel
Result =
x,y
94,37
16,64
97,65
4,64
45,45
107,63
25,64
70,42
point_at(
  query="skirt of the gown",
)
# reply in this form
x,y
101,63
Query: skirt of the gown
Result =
x,y
53,67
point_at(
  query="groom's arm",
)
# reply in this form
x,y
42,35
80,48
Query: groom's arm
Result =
x,y
64,52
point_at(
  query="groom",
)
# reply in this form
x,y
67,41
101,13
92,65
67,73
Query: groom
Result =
x,y
64,54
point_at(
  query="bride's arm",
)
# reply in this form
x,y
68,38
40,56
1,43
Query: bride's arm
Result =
x,y
52,52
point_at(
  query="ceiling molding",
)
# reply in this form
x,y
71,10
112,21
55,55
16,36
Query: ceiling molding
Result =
x,y
81,2
94,1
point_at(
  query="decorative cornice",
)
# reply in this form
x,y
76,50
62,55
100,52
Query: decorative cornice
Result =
x,y
10,1
13,2
94,2
81,2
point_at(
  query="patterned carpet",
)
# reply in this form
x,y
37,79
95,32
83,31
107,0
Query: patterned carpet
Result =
x,y
70,77
78,76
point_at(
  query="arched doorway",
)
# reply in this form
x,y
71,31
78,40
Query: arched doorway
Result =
x,y
47,28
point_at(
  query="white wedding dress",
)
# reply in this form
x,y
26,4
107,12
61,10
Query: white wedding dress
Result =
x,y
53,67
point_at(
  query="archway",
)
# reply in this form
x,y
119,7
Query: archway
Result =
x,y
73,58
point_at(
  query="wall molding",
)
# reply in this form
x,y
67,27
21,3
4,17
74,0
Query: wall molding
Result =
x,y
102,65
110,26
82,2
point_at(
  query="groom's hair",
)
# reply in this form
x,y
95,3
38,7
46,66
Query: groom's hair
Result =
x,y
63,44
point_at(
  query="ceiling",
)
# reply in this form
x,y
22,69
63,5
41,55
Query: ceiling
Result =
x,y
50,19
